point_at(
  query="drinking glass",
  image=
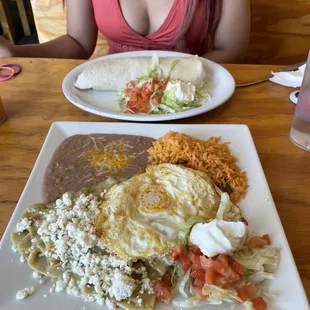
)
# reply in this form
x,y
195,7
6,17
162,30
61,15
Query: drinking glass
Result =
x,y
2,112
300,129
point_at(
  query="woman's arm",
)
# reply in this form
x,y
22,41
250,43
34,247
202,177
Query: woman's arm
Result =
x,y
79,42
233,32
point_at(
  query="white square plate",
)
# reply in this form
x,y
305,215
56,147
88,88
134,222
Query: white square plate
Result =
x,y
258,208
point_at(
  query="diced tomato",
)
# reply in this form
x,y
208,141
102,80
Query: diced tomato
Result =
x,y
156,84
230,275
210,276
131,85
156,100
267,238
35,218
259,303
133,106
138,105
185,262
198,283
250,290
238,268
167,280
206,263
144,105
164,86
146,96
147,87
192,256
242,294
156,81
156,87
223,259
195,249
198,274
221,281
128,92
134,96
257,242
162,292
137,90
198,293
195,259
247,292
177,251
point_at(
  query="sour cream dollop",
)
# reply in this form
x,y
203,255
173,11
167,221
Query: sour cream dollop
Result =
x,y
185,92
218,237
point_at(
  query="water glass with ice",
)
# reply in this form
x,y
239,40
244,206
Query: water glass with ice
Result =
x,y
300,129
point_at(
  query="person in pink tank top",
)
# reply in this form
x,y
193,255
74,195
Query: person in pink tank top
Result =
x,y
215,29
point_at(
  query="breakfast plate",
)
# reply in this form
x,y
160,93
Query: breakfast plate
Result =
x,y
221,88
257,207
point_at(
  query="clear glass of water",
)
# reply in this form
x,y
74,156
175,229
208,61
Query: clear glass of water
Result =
x,y
300,130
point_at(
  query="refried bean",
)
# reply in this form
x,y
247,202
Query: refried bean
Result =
x,y
82,161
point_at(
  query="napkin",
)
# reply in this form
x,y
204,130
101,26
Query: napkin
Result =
x,y
289,79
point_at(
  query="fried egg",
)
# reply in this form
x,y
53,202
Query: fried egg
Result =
x,y
140,218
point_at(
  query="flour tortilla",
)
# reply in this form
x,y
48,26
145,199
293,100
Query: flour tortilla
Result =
x,y
113,74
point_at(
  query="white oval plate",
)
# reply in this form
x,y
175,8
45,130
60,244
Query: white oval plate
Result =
x,y
105,103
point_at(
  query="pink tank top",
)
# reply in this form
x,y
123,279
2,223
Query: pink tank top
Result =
x,y
122,38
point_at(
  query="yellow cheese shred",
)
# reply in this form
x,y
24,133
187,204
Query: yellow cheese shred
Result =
x,y
113,157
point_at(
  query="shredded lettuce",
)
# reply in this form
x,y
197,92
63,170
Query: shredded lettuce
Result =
x,y
170,104
259,276
170,98
185,228
194,303
264,292
187,303
177,276
153,71
223,207
217,293
248,305
121,102
183,282
147,77
261,259
202,90
184,287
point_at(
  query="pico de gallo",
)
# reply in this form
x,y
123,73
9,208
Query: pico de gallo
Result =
x,y
155,94
197,280
210,281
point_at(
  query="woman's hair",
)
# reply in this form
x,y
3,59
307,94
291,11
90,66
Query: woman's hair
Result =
x,y
212,15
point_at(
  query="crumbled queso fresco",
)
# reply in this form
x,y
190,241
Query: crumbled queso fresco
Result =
x,y
70,225
24,224
24,293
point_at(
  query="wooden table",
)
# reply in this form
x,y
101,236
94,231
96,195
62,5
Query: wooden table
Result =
x,y
34,100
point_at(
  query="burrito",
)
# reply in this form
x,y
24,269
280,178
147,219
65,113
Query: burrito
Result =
x,y
113,74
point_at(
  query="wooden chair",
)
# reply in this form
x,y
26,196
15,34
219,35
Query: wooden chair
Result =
x,y
50,20
6,20
23,16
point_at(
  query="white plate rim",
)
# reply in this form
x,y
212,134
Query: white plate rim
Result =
x,y
67,86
